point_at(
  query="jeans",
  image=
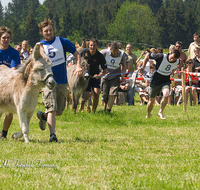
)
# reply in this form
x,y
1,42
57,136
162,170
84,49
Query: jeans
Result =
x,y
130,95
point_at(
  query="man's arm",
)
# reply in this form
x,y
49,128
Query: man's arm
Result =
x,y
97,76
146,59
78,63
189,51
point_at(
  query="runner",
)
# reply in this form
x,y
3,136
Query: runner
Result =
x,y
165,64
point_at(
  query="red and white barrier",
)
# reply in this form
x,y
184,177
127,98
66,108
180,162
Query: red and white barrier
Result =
x,y
177,80
190,73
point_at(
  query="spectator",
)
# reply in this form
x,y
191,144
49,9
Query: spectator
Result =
x,y
171,48
140,85
30,51
108,45
127,60
190,68
192,46
132,58
116,64
196,61
54,100
150,75
183,56
159,50
21,58
173,89
9,57
18,48
24,50
153,50
124,89
147,67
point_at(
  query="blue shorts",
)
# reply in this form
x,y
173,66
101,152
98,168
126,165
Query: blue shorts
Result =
x,y
93,83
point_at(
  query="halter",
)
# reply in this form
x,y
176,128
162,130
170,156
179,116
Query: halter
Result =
x,y
44,81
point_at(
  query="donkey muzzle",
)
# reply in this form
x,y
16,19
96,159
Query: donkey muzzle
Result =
x,y
50,82
87,75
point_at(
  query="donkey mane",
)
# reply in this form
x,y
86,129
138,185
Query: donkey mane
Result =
x,y
25,68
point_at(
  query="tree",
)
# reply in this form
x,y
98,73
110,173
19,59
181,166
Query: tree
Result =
x,y
40,13
1,15
31,30
153,4
90,24
135,22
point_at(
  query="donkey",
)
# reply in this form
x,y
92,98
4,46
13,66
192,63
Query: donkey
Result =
x,y
84,45
77,85
20,88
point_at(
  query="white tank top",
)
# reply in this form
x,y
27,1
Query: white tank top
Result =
x,y
166,67
113,62
55,52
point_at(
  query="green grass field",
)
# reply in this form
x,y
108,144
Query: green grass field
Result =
x,y
121,150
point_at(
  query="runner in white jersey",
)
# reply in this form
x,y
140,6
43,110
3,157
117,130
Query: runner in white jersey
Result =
x,y
165,64
54,100
116,64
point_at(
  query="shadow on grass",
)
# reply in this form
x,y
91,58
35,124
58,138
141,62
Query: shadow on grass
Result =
x,y
45,141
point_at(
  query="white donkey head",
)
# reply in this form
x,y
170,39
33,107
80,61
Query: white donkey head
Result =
x,y
38,68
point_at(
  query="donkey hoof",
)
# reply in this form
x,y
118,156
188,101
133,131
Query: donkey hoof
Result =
x,y
26,138
17,135
27,141
13,136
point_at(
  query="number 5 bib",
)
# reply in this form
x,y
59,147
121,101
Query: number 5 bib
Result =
x,y
55,52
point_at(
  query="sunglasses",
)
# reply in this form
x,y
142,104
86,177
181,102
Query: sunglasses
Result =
x,y
189,62
178,46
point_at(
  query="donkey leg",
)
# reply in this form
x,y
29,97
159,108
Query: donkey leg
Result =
x,y
24,125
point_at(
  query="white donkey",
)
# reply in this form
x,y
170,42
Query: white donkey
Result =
x,y
19,88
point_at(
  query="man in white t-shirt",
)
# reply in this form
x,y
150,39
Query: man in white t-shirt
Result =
x,y
192,46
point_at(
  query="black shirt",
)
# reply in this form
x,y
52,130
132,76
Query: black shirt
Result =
x,y
196,63
94,61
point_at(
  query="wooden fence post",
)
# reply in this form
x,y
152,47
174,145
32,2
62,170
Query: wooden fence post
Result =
x,y
183,89
190,84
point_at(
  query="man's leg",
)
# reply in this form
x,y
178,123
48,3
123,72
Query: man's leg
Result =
x,y
114,85
110,102
96,99
7,122
163,102
87,100
194,96
51,120
105,91
150,107
187,90
198,95
130,96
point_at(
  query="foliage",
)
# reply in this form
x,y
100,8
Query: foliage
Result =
x,y
135,22
31,31
156,22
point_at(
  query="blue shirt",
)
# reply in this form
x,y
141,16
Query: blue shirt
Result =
x,y
9,57
60,71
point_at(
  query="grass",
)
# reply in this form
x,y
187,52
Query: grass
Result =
x,y
121,150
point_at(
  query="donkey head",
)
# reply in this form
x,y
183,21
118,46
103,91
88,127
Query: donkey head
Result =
x,y
42,67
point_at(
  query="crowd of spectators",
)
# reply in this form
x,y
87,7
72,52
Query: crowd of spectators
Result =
x,y
190,63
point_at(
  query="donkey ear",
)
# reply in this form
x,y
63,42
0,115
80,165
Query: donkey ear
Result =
x,y
36,51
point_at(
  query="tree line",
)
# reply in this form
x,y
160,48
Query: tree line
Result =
x,y
143,23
